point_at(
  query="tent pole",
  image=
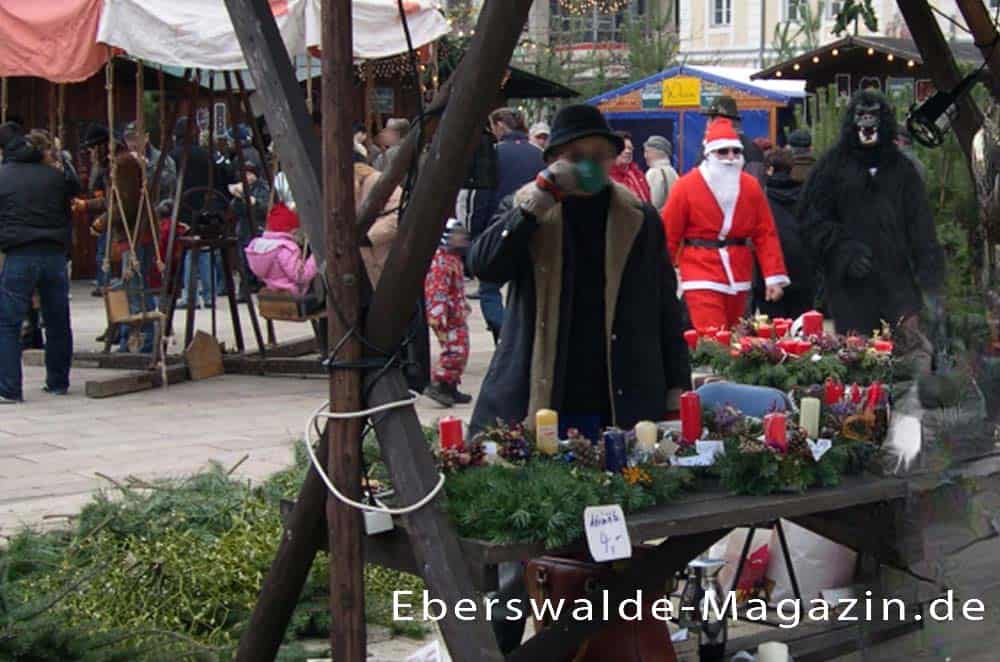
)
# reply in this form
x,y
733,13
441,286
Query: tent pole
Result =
x,y
3,100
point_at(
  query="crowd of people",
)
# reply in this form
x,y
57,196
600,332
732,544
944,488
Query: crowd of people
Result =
x,y
604,263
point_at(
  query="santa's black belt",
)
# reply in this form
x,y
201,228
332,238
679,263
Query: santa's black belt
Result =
x,y
716,243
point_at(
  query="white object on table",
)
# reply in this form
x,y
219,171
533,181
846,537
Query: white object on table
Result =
x,y
772,651
607,534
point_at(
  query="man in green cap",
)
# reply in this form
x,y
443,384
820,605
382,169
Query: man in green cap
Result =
x,y
725,106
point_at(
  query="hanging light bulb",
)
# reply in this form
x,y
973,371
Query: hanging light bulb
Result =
x,y
815,59
890,57
836,52
871,51
930,120
796,66
911,63
777,74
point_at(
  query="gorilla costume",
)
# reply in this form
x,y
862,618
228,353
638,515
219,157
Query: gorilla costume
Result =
x,y
867,221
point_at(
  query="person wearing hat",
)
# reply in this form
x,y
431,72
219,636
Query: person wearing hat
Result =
x,y
250,211
661,174
144,150
753,158
803,159
539,135
712,215
593,327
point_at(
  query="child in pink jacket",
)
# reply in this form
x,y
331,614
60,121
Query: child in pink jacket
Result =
x,y
276,256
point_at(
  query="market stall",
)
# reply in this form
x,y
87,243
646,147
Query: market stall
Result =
x,y
670,104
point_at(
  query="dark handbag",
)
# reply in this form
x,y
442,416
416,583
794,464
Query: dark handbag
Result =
x,y
646,640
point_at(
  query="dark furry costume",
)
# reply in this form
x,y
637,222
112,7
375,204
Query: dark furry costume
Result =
x,y
873,234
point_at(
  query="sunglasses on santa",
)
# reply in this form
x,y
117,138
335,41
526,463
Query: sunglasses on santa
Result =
x,y
726,151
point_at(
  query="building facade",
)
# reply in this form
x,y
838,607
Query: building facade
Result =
x,y
755,33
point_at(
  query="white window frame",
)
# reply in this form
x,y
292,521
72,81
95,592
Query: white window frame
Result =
x,y
727,10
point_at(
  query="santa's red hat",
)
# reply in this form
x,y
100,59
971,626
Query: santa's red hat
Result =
x,y
721,134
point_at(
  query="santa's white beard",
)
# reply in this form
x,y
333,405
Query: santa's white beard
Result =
x,y
723,178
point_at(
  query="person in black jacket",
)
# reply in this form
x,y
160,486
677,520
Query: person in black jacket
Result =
x,y
783,198
593,326
35,193
518,161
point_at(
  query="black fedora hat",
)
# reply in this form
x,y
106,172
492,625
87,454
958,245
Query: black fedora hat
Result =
x,y
723,106
97,134
580,121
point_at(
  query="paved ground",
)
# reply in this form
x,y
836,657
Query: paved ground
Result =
x,y
53,448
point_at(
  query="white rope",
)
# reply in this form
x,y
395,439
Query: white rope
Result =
x,y
320,412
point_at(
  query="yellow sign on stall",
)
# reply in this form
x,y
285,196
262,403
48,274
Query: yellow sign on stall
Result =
x,y
681,91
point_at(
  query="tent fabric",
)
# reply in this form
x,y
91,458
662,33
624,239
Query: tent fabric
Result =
x,y
199,33
52,40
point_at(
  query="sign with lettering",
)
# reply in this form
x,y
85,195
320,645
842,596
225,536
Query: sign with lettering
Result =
x,y
607,535
681,91
652,96
709,92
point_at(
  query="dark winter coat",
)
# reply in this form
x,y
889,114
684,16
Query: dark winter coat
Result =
x,y
783,198
34,198
646,353
847,211
518,162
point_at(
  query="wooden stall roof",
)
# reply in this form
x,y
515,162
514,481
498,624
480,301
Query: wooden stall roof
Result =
x,y
852,53
736,81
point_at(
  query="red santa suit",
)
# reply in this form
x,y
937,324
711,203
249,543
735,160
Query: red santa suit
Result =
x,y
713,214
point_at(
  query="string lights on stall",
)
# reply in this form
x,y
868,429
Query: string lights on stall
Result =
x,y
586,7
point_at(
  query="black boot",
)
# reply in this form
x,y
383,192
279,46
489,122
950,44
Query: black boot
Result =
x,y
496,334
456,395
441,394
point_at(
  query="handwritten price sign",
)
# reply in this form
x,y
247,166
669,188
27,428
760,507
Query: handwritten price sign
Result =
x,y
607,534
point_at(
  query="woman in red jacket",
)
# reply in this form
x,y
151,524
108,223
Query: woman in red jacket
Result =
x,y
713,214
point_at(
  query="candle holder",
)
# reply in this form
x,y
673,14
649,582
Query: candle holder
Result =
x,y
713,628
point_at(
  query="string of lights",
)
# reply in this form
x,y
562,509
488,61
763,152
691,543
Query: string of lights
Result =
x,y
583,7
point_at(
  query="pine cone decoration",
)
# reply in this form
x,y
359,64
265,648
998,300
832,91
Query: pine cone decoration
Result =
x,y
587,454
477,454
516,449
797,444
749,444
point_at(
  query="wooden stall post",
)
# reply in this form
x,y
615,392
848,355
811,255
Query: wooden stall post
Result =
x,y
984,34
344,279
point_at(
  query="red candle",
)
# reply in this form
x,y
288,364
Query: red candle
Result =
x,y
790,345
764,330
724,337
710,331
776,431
803,346
691,338
834,392
450,432
883,346
874,395
812,323
855,394
781,328
690,417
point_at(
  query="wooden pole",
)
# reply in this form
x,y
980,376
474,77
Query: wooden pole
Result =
x,y
984,33
344,277
3,100
944,72
285,108
140,115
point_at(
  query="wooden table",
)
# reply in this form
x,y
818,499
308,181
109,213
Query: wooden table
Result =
x,y
864,513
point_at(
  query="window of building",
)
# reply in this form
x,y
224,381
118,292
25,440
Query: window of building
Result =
x,y
795,10
833,8
722,12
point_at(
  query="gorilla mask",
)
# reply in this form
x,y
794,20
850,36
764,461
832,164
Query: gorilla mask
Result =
x,y
866,120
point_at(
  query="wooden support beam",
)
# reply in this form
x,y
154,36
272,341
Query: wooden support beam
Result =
x,y
285,110
304,528
255,365
134,382
944,72
433,196
404,159
984,34
344,279
292,348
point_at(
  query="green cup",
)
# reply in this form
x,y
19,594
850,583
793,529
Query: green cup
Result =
x,y
590,177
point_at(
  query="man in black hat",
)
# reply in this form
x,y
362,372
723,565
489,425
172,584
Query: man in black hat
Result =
x,y
803,158
593,326
141,147
753,157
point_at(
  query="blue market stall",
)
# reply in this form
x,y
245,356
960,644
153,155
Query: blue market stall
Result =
x,y
670,104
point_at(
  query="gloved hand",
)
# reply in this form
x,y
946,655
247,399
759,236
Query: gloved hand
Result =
x,y
860,266
556,182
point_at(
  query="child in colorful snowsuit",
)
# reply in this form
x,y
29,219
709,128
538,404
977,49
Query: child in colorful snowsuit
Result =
x,y
447,311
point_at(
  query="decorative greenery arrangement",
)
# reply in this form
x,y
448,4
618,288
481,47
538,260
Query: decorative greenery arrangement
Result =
x,y
166,570
752,467
762,362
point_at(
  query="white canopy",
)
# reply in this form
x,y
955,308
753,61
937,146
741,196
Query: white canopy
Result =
x,y
199,33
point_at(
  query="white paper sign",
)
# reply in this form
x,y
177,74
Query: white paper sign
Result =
x,y
699,460
680,635
819,447
711,448
429,653
607,535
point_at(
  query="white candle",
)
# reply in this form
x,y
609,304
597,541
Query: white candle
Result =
x,y
809,416
645,436
772,651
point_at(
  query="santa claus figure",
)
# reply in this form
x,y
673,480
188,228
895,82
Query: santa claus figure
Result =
x,y
716,218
